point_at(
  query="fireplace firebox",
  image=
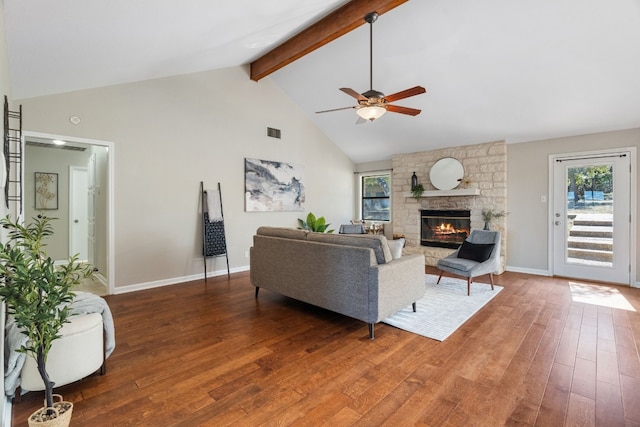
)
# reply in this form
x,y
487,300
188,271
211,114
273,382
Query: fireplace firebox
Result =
x,y
444,228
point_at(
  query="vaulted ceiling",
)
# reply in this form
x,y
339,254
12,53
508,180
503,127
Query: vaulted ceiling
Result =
x,y
493,69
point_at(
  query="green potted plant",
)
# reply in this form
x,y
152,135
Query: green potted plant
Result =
x,y
312,223
416,191
37,294
489,214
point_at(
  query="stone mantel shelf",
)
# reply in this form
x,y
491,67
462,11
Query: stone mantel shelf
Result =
x,y
448,193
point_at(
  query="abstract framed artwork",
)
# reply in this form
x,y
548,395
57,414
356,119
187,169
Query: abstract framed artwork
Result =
x,y
46,191
273,186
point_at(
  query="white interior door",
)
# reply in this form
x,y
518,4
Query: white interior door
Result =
x,y
78,212
592,217
91,206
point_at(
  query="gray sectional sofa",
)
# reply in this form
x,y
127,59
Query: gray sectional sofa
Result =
x,y
353,275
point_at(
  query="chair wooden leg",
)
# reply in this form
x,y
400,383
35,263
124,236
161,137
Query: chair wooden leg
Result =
x,y
439,277
468,286
491,278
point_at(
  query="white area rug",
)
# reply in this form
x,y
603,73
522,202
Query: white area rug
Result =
x,y
444,307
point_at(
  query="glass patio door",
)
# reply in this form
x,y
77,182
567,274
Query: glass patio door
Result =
x,y
591,217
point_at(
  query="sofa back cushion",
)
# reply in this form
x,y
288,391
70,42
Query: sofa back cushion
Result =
x,y
376,242
286,233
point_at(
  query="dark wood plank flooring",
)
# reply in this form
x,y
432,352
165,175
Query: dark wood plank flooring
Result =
x,y
211,355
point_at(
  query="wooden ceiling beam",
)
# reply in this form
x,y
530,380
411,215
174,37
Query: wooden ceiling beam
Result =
x,y
336,24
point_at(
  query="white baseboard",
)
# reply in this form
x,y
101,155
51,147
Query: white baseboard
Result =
x,y
533,271
100,278
175,280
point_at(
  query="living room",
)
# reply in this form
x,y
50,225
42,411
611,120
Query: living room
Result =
x,y
158,126
170,133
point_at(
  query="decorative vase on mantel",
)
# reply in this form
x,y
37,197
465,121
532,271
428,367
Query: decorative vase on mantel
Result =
x,y
414,181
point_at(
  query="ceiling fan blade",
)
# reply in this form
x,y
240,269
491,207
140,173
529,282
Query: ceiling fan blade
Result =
x,y
405,93
336,109
403,110
353,93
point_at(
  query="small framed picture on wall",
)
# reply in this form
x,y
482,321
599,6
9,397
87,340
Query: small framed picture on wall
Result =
x,y
46,191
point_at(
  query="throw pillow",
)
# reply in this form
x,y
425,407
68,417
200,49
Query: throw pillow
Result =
x,y
396,248
475,251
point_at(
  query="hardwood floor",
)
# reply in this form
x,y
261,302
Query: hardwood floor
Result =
x,y
211,355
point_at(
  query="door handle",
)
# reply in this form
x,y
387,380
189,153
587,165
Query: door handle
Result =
x,y
76,221
557,223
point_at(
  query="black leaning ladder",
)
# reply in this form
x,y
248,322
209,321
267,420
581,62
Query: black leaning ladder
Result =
x,y
13,156
215,228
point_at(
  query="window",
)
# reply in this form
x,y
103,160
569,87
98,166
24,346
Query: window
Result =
x,y
376,204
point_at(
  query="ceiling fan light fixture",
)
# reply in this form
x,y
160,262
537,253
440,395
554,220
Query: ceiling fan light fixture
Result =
x,y
371,113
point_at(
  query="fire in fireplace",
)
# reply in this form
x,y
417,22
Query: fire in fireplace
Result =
x,y
444,228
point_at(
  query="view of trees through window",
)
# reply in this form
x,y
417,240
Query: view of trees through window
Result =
x,y
375,197
590,188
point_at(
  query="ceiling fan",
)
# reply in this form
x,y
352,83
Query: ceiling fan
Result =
x,y
372,104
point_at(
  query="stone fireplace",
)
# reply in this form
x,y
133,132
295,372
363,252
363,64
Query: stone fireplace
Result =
x,y
444,228
484,187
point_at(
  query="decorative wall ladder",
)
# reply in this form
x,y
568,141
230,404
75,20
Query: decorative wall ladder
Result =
x,y
11,173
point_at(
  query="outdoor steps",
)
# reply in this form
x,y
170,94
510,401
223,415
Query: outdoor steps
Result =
x,y
591,238
596,243
593,220
591,231
590,254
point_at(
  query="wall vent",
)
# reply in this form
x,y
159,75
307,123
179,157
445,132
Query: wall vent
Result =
x,y
274,133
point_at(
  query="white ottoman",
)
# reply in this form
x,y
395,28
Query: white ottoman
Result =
x,y
77,354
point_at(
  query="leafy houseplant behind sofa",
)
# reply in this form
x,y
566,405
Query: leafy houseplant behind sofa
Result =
x,y
353,275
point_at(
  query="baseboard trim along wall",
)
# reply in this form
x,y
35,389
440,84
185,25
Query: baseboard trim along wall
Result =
x,y
175,280
527,270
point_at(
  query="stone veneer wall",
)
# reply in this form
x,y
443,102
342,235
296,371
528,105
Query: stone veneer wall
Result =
x,y
484,164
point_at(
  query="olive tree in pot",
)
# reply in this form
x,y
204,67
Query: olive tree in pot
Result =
x,y
37,294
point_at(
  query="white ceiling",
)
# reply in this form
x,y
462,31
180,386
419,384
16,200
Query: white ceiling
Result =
x,y
493,69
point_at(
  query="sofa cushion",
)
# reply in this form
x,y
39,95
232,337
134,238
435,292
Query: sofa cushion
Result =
x,y
287,233
376,242
475,251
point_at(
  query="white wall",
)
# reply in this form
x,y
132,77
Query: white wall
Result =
x,y
528,179
169,134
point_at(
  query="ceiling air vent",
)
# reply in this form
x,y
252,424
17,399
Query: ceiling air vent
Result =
x,y
274,133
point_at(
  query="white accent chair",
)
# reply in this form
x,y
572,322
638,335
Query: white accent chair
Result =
x,y
477,256
77,354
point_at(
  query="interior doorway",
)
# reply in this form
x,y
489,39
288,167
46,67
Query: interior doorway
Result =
x,y
592,217
40,154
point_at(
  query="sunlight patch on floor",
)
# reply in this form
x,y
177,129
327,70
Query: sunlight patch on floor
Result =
x,y
605,296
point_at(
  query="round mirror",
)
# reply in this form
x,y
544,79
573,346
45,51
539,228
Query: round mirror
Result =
x,y
446,173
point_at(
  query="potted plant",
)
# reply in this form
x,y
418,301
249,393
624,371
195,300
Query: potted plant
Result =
x,y
489,214
416,191
312,223
37,294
